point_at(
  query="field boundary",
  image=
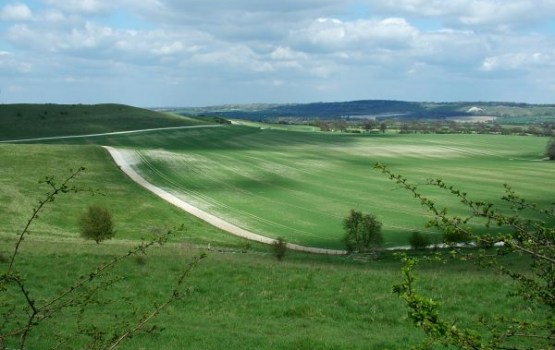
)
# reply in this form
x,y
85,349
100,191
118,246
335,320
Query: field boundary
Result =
x,y
122,159
111,133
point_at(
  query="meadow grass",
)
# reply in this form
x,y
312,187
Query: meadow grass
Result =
x,y
21,121
300,186
136,213
250,300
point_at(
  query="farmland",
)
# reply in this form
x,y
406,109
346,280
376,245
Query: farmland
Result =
x,y
277,181
300,185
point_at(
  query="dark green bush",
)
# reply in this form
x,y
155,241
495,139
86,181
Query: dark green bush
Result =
x,y
279,248
96,223
418,240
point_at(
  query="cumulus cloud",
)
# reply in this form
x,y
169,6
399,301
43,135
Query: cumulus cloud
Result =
x,y
519,61
331,33
301,49
11,63
16,12
507,14
82,6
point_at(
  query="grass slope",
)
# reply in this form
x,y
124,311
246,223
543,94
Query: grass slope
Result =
x,y
250,301
136,213
301,185
20,121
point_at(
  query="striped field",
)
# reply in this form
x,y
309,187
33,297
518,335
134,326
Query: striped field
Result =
x,y
300,185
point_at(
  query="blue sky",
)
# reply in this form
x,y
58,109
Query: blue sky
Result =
x,y
208,52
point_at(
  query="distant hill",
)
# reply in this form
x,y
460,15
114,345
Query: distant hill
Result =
x,y
372,109
18,121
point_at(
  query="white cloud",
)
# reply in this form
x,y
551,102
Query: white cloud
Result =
x,y
503,15
82,6
331,33
519,61
52,15
16,12
169,49
278,50
10,62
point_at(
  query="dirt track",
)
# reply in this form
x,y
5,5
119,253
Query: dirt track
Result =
x,y
125,160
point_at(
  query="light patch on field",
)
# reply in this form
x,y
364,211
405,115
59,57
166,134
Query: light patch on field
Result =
x,y
171,157
399,151
131,157
473,119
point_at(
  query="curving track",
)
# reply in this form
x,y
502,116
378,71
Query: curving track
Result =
x,y
124,160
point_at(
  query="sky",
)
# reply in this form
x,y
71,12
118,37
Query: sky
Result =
x,y
161,53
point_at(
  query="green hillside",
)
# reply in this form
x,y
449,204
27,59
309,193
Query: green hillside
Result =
x,y
300,185
137,213
22,121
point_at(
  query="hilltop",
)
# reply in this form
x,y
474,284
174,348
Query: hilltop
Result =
x,y
374,109
19,121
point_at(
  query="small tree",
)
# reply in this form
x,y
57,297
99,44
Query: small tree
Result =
x,y
418,241
550,149
96,223
362,232
383,127
279,248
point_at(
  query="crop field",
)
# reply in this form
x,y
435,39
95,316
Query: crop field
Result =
x,y
300,185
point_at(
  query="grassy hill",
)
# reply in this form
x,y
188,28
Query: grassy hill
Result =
x,y
21,121
377,109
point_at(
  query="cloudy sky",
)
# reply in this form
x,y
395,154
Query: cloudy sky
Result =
x,y
207,52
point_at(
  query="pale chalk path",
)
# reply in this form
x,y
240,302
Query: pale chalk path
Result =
x,y
124,161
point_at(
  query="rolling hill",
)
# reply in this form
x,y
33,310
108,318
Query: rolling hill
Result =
x,y
20,121
374,109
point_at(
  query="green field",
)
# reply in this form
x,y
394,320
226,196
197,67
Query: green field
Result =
x,y
249,301
137,213
300,185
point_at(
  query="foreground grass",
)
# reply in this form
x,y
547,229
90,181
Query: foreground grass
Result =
x,y
249,300
21,121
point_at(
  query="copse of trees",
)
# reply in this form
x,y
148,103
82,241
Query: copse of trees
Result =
x,y
433,126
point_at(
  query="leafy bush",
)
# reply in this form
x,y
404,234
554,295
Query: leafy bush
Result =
x,y
279,248
418,240
96,223
550,149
